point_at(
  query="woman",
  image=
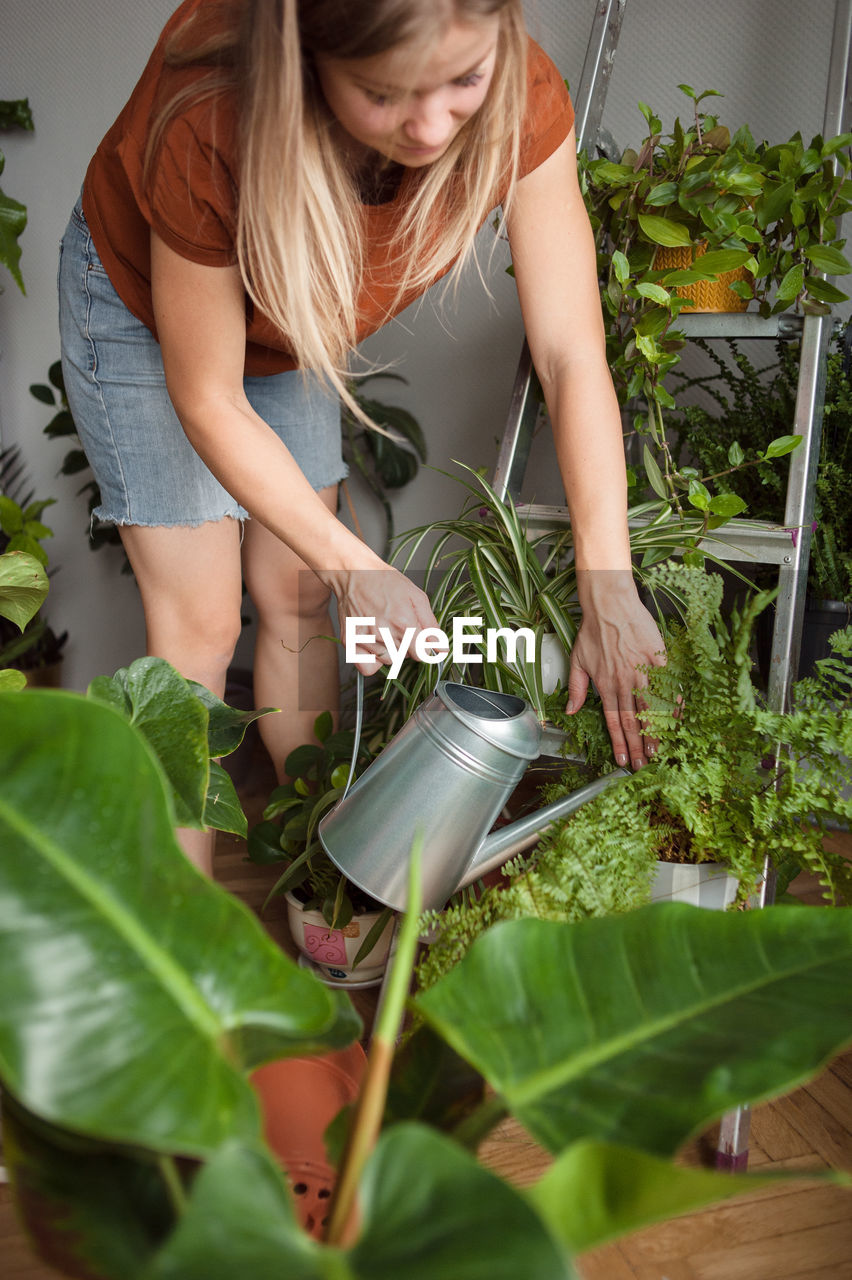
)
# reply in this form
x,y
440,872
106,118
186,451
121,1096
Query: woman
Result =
x,y
286,176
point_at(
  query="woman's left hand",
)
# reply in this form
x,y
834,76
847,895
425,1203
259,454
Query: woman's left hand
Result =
x,y
616,638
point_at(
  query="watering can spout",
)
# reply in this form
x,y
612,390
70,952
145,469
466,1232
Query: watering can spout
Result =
x,y
510,840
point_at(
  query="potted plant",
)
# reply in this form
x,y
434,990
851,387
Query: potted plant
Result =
x,y
749,403
23,587
125,1169
769,211
13,215
37,649
486,563
341,932
735,787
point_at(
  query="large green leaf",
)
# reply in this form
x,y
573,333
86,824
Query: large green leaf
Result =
x,y
23,587
595,1192
428,1212
432,1213
135,992
640,1029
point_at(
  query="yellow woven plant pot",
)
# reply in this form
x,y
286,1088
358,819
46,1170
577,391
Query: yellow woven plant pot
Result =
x,y
704,295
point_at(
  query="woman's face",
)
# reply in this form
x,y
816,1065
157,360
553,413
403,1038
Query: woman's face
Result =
x,y
407,108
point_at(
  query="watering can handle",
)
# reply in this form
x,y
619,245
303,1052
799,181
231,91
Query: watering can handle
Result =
x,y
359,718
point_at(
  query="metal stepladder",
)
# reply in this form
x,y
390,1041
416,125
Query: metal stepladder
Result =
x,y
788,545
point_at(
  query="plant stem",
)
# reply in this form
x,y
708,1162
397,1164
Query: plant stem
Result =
x,y
174,1185
367,1120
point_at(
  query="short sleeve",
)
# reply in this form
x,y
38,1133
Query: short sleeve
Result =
x,y
190,194
549,113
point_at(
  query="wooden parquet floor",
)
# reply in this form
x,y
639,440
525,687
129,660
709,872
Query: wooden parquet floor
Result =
x,y
798,1232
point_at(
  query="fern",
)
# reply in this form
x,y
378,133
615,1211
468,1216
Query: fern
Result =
x,y
733,782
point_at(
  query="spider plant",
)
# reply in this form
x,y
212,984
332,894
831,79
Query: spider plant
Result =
x,y
487,563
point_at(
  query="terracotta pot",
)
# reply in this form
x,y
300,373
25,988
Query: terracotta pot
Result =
x,y
333,951
299,1098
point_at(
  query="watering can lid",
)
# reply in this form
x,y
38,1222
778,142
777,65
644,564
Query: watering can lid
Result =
x,y
506,721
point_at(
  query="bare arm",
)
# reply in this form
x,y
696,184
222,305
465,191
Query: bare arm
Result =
x,y
554,260
200,319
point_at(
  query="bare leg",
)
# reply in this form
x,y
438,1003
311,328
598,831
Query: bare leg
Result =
x,y
190,584
292,605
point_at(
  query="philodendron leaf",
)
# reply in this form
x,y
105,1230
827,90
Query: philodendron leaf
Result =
x,y
482,1228
641,1029
136,994
240,1222
428,1212
595,1192
227,725
23,587
162,705
222,808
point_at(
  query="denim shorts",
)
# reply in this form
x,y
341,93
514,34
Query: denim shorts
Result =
x,y
147,471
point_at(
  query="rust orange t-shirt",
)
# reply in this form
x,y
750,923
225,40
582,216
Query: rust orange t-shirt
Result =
x,y
190,195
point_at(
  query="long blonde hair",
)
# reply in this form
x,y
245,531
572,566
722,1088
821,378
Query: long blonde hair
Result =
x,y
299,238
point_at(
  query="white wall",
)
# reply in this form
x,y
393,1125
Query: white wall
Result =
x,y
77,62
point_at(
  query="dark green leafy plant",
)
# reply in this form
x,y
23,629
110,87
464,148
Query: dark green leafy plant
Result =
x,y
75,462
13,215
733,783
388,458
147,1174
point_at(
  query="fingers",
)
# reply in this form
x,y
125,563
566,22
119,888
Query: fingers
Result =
x,y
578,685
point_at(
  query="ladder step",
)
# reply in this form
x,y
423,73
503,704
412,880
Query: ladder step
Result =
x,y
738,540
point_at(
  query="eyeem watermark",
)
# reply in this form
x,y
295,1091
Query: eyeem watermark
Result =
x,y
432,645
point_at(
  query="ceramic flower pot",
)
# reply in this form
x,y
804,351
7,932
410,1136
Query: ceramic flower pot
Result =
x,y
333,951
705,885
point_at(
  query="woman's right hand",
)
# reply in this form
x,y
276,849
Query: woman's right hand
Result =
x,y
381,614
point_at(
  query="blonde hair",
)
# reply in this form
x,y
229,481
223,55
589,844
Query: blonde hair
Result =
x,y
300,219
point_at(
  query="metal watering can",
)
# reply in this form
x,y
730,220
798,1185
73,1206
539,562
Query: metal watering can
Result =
x,y
448,773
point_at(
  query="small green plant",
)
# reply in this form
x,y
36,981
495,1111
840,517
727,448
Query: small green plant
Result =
x,y
23,588
752,403
13,215
486,563
75,462
318,773
22,529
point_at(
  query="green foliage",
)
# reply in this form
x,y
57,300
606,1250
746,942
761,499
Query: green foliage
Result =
x,y
715,792
75,462
132,1130
13,215
752,404
318,773
771,210
23,531
487,563
388,458
188,728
